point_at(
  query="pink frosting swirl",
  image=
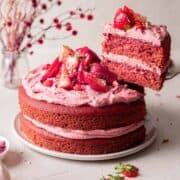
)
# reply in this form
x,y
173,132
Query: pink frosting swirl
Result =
x,y
35,89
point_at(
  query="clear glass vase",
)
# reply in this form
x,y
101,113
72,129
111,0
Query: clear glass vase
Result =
x,y
14,67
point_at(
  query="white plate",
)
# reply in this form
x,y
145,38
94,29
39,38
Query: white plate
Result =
x,y
151,133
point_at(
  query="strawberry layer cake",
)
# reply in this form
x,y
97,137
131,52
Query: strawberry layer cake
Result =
x,y
136,50
76,105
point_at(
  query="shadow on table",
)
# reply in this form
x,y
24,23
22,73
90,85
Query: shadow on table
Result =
x,y
173,71
13,159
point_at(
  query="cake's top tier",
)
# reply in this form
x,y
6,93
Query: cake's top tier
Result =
x,y
77,78
128,23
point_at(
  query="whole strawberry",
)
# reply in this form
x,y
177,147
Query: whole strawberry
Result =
x,y
125,18
122,20
127,170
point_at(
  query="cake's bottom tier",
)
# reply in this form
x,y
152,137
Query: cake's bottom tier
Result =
x,y
89,146
136,75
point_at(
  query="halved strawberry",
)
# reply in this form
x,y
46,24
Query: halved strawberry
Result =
x,y
52,70
126,18
48,82
103,72
64,80
122,20
140,25
130,13
72,64
77,87
95,83
46,66
81,77
66,51
87,57
70,60
135,18
85,51
127,170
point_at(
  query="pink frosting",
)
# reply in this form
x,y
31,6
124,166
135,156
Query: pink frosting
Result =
x,y
80,134
135,63
153,33
35,89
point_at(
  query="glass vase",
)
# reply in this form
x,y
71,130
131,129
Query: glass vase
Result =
x,y
14,67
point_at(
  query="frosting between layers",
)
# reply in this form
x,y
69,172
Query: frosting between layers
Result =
x,y
134,62
35,89
154,34
80,134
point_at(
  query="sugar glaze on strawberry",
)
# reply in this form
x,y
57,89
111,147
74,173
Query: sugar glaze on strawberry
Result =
x,y
77,78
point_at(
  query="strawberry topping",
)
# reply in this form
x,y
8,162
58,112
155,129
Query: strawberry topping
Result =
x,y
48,82
95,83
87,57
125,18
122,20
64,80
103,72
65,53
73,69
52,70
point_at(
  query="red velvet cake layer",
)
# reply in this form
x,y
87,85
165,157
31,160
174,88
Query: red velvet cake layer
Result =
x,y
91,146
136,75
83,117
134,48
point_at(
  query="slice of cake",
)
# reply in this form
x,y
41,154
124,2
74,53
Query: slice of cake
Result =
x,y
75,105
135,50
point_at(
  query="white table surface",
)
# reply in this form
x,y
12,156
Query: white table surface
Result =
x,y
158,162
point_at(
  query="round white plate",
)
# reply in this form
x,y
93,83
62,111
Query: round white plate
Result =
x,y
151,133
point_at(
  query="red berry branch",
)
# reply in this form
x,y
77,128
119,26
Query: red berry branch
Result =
x,y
23,23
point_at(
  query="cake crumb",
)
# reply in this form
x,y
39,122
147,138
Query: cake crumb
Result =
x,y
178,96
28,162
157,94
164,141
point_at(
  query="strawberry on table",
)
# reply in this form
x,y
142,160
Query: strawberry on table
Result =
x,y
112,177
127,170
